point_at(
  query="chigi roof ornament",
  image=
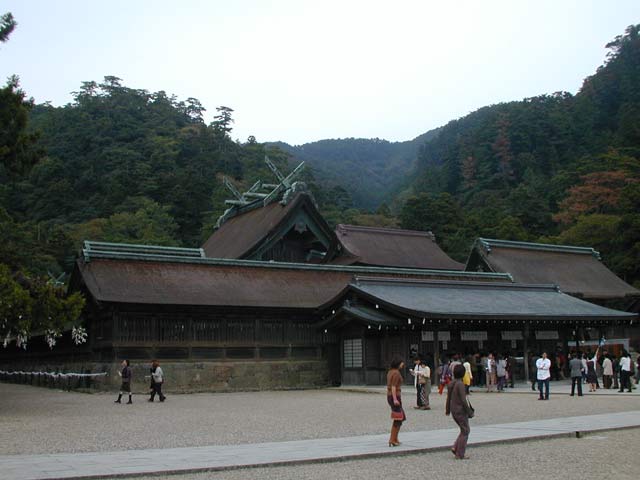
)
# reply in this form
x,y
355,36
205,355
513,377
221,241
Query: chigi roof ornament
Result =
x,y
254,198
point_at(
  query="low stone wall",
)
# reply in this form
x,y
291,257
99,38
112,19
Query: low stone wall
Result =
x,y
180,377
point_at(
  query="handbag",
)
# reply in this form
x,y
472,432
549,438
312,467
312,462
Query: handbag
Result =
x,y
470,410
397,414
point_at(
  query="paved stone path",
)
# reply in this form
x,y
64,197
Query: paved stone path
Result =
x,y
225,457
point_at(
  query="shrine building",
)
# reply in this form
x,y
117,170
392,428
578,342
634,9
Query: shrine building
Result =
x,y
276,298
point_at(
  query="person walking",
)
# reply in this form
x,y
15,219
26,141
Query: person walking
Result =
x,y
394,385
543,364
445,375
584,367
592,377
458,407
125,386
625,371
468,374
482,362
501,373
491,373
575,368
473,363
426,386
421,376
157,379
616,372
510,370
607,371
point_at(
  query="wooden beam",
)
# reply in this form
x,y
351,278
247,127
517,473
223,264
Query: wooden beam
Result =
x,y
274,169
234,191
255,194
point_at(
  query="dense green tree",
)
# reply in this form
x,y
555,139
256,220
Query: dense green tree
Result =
x,y
558,168
222,122
18,149
440,214
7,25
34,307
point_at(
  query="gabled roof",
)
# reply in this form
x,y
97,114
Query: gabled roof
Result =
x,y
255,225
576,270
442,299
392,247
148,275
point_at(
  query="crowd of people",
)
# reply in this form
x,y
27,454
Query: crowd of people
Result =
x,y
457,373
619,372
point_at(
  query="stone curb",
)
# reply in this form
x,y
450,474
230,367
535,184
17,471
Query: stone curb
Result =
x,y
230,457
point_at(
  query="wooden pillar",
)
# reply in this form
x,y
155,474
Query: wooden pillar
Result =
x,y
436,354
525,342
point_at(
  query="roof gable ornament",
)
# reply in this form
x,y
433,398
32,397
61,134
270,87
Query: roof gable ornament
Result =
x,y
254,198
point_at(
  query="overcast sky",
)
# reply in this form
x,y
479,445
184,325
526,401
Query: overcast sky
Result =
x,y
300,71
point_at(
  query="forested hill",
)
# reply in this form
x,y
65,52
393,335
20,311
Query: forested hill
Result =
x,y
371,169
120,164
555,168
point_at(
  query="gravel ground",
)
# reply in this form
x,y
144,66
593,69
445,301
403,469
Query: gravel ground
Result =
x,y
593,456
39,420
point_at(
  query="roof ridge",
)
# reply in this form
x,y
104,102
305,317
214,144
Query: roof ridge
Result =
x,y
93,247
358,280
89,254
386,230
488,243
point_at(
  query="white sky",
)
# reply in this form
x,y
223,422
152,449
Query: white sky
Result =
x,y
300,71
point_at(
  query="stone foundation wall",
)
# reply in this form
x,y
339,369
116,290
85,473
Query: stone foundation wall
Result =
x,y
182,377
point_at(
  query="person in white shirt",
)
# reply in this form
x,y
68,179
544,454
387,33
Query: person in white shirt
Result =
x,y
543,364
157,379
422,381
607,371
625,371
491,372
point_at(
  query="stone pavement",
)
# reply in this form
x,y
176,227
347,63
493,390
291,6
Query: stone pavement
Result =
x,y
226,457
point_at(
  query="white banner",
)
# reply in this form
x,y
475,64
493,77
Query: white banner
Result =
x,y
511,335
547,335
473,336
427,336
444,336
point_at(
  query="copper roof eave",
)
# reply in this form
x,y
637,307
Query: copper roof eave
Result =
x,y
89,255
488,243
346,313
472,315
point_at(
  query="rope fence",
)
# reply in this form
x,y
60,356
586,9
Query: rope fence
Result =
x,y
61,380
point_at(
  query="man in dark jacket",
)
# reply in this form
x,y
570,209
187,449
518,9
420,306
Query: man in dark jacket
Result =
x,y
575,365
